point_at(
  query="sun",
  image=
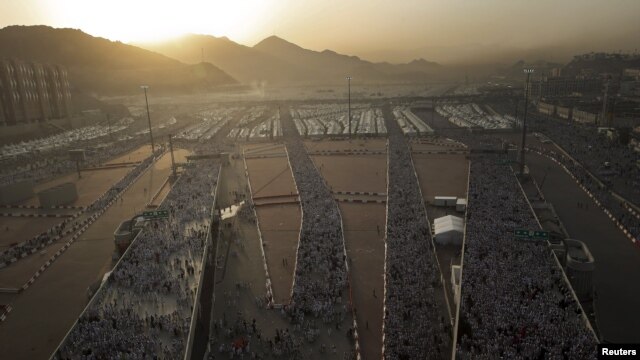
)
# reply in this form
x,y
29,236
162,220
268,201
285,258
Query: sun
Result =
x,y
148,21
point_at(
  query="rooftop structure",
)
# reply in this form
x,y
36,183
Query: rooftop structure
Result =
x,y
32,92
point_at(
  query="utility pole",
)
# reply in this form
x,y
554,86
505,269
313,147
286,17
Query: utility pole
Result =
x,y
612,113
145,87
349,111
524,120
109,126
604,101
173,162
515,124
433,106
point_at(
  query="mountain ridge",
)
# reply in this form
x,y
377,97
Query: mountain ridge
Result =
x,y
277,60
98,65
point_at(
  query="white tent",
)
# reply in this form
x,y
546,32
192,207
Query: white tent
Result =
x,y
448,230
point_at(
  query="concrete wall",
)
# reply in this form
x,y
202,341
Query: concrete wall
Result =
x,y
63,194
15,193
584,116
580,266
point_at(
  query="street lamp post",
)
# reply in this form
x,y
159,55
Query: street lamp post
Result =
x,y
145,87
524,119
349,111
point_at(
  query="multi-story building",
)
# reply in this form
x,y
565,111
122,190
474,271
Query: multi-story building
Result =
x,y
551,87
32,92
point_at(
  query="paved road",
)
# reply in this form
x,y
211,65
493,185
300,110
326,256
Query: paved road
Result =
x,y
617,274
43,314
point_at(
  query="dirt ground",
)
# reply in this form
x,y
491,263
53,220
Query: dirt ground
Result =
x,y
365,248
280,228
134,156
279,224
19,229
244,265
441,175
365,173
45,311
93,182
364,230
341,145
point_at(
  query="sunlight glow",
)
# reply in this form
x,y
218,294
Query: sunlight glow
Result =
x,y
149,20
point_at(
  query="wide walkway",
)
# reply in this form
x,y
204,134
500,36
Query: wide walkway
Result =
x,y
617,274
43,313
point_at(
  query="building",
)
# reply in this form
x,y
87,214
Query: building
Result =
x,y
580,265
448,230
546,108
630,84
33,92
564,112
585,116
551,87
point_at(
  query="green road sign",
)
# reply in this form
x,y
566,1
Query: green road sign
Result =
x,y
157,214
525,234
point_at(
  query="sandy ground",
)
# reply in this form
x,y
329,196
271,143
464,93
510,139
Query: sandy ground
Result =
x,y
279,224
365,173
341,145
280,227
19,229
264,149
134,156
441,175
244,265
270,177
43,314
93,182
364,228
365,248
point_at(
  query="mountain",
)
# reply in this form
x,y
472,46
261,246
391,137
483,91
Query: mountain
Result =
x,y
329,64
97,65
241,62
276,60
600,63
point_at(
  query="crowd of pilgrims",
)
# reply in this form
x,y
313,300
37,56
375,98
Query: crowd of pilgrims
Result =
x,y
593,150
515,303
320,278
144,308
74,223
618,208
414,323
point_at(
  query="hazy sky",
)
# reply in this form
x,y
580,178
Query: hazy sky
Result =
x,y
442,30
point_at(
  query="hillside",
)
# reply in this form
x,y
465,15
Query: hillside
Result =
x,y
97,65
275,60
241,62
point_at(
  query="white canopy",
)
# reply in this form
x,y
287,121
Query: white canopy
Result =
x,y
448,230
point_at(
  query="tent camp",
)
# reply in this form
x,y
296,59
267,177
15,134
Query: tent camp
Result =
x,y
448,230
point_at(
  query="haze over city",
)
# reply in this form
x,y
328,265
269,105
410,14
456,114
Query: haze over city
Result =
x,y
457,31
311,180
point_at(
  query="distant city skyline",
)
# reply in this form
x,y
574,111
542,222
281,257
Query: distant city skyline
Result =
x,y
453,31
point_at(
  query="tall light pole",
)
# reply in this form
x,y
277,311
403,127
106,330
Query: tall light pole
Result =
x,y
524,120
145,87
349,111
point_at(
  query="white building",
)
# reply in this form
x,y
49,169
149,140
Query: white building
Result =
x,y
448,230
